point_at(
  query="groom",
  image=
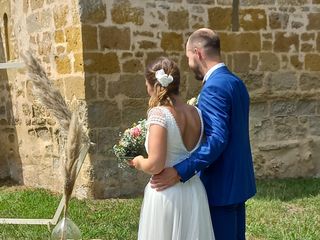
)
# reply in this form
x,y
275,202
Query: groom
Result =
x,y
224,160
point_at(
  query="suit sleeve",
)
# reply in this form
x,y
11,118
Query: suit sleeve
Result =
x,y
215,106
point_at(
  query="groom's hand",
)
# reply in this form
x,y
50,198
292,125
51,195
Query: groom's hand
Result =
x,y
167,178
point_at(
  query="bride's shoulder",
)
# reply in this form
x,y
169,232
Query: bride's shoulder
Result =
x,y
159,111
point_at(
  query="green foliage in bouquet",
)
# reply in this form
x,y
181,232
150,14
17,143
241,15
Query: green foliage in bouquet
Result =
x,y
131,142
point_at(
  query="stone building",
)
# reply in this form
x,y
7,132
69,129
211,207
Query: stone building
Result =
x,y
95,52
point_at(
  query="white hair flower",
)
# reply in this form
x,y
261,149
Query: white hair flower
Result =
x,y
163,78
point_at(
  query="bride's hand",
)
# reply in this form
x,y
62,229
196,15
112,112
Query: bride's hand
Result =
x,y
136,162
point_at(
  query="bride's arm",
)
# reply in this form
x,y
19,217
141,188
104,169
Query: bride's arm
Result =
x,y
157,149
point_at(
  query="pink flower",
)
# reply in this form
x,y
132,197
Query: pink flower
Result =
x,y
135,132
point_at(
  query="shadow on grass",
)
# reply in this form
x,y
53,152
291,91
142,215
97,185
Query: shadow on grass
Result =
x,y
287,189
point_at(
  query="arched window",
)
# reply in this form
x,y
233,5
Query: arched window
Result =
x,y
6,36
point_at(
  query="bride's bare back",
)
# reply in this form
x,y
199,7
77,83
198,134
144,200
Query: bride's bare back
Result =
x,y
189,123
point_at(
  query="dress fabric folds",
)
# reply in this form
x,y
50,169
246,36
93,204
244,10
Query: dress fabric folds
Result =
x,y
180,212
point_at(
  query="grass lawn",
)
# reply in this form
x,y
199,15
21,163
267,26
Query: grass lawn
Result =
x,y
282,209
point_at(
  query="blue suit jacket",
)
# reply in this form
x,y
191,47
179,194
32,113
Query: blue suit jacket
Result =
x,y
224,158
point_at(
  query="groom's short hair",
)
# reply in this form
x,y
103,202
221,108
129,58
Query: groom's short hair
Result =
x,y
206,39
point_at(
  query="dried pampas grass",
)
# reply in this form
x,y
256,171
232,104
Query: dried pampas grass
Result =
x,y
77,141
46,94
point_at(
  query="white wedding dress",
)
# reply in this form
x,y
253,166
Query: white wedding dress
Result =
x,y
180,212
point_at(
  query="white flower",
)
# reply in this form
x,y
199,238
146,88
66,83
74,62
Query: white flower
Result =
x,y
163,78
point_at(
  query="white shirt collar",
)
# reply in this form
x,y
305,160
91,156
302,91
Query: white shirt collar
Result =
x,y
211,70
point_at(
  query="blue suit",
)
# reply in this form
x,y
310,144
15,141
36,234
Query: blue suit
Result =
x,y
224,159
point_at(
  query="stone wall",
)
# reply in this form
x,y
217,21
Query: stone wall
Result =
x,y
96,51
275,50
51,30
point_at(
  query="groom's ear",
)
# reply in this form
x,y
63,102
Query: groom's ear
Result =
x,y
198,52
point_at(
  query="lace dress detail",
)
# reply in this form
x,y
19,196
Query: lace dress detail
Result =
x,y
180,212
156,116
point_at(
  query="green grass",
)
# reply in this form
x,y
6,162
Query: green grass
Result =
x,y
282,209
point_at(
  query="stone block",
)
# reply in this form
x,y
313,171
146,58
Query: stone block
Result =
x,y
296,25
122,12
318,42
312,62
314,21
306,107
309,81
172,41
307,47
284,127
132,86
225,2
286,42
2,110
284,159
269,62
184,66
253,19
63,64
261,130
92,11
26,5
134,110
132,66
89,37
78,62
143,33
73,39
253,81
107,138
241,62
102,87
256,2
114,38
295,62
60,15
44,46
220,18
91,87
209,2
282,81
103,114
38,21
75,88
36,4
147,44
152,56
283,108
178,20
59,36
292,2
307,36
314,125
247,42
278,20
259,110
267,46
101,63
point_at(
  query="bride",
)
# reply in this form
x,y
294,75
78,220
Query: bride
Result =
x,y
175,130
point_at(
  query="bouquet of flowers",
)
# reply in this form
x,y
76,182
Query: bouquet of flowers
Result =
x,y
131,143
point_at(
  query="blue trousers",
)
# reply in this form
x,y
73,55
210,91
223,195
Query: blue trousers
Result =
x,y
229,222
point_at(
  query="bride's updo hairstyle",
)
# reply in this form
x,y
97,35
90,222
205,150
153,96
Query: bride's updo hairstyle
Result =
x,y
164,75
